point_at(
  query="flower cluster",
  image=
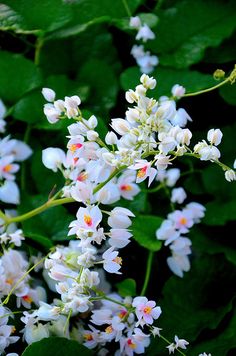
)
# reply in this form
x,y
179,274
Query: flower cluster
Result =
x,y
122,321
144,59
6,330
11,151
177,224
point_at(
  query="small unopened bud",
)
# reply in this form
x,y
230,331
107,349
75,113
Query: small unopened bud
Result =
x,y
92,135
214,136
48,94
230,175
111,138
135,22
219,74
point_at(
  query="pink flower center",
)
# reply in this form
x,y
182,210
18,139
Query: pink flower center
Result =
x,y
147,310
131,344
142,172
88,220
126,187
75,146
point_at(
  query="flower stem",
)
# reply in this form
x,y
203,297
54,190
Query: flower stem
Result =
x,y
148,272
49,204
102,184
126,6
231,78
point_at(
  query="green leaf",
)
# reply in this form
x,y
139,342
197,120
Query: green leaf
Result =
x,y
18,75
55,346
30,108
166,78
212,243
41,239
228,93
190,305
219,345
9,19
46,15
103,83
144,230
188,28
127,287
219,212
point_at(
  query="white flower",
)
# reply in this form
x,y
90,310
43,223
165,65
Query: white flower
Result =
x,y
145,310
119,218
148,82
178,91
112,262
180,343
53,158
167,232
171,348
9,192
144,170
33,333
162,161
121,126
48,94
145,33
180,118
178,264
47,312
178,195
135,22
230,175
111,138
214,136
119,238
128,189
51,113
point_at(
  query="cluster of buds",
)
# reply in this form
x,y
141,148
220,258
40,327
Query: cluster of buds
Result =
x,y
144,59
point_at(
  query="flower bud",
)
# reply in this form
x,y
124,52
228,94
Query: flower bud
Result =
x,y
214,136
135,22
48,94
178,91
92,135
148,82
230,175
121,126
111,138
92,122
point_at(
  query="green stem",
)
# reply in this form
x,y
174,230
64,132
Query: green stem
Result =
x,y
23,166
126,6
153,190
169,343
39,45
2,216
49,204
148,272
101,185
230,78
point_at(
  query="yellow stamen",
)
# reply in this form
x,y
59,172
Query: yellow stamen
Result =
x,y
147,310
183,221
109,329
7,168
118,260
88,220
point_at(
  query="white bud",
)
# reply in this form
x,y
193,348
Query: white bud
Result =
x,y
214,136
59,105
108,158
92,122
230,175
148,82
135,22
111,138
234,164
178,91
145,33
53,158
184,137
48,94
51,113
92,135
121,126
131,96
